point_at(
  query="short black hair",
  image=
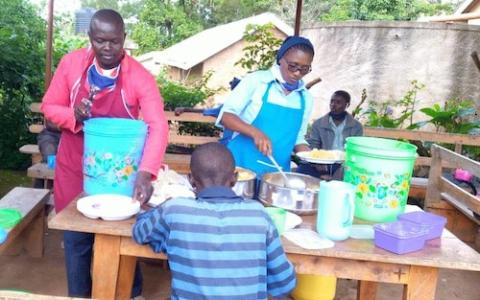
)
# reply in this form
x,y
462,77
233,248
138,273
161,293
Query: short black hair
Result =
x,y
345,95
212,163
107,15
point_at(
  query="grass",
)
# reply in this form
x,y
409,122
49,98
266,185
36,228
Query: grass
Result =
x,y
10,179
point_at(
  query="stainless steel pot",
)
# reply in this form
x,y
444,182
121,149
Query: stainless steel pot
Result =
x,y
298,200
245,185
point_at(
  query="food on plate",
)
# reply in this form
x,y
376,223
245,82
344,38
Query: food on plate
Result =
x,y
244,174
322,154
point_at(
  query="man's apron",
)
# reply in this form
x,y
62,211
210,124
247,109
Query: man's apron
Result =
x,y
69,162
281,124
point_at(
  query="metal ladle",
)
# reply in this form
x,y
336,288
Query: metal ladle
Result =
x,y
277,166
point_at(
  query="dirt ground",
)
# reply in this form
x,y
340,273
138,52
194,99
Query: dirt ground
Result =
x,y
47,276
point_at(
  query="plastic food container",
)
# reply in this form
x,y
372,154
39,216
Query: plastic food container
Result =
x,y
436,223
400,237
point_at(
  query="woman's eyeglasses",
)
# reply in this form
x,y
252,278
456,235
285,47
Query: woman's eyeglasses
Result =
x,y
304,70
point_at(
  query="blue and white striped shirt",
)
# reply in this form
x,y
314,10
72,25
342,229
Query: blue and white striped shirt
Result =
x,y
219,246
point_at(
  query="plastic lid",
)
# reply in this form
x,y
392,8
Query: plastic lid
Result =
x,y
402,229
361,231
424,218
9,217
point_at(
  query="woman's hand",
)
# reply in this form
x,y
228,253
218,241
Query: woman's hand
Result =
x,y
262,141
143,188
83,110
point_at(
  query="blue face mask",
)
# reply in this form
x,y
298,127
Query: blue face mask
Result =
x,y
290,86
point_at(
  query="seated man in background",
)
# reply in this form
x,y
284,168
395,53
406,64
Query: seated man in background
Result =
x,y
219,245
47,141
330,132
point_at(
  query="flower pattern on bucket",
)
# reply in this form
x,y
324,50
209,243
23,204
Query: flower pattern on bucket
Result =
x,y
114,168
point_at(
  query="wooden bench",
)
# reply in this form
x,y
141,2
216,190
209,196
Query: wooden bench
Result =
x,y
445,198
28,234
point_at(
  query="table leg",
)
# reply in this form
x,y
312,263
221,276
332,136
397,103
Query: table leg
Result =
x,y
126,275
422,283
366,290
106,261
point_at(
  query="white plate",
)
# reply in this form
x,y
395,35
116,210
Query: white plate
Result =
x,y
292,220
109,207
307,239
305,155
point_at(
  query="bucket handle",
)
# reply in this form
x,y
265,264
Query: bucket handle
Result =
x,y
349,201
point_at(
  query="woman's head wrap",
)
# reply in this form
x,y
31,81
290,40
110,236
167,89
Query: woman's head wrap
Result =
x,y
293,41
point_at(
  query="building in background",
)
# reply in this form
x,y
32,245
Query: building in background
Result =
x,y
216,49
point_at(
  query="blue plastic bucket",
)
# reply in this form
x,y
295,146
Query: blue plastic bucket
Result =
x,y
112,153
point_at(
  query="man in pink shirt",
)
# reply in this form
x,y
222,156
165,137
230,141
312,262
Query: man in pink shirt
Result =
x,y
101,81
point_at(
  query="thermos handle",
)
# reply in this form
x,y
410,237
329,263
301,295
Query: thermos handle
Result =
x,y
349,200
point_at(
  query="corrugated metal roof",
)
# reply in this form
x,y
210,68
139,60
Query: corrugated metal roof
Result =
x,y
207,43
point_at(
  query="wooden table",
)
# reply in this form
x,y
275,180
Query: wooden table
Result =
x,y
29,232
116,253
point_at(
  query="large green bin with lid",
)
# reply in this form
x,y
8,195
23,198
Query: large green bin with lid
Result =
x,y
381,170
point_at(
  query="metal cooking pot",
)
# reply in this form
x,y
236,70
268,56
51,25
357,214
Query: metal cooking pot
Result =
x,y
298,200
245,185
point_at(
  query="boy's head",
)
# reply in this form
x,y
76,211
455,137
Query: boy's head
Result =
x,y
212,164
339,102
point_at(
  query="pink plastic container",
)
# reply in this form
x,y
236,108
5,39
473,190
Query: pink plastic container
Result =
x,y
400,237
436,223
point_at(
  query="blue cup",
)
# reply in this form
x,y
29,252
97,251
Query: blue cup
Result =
x,y
51,161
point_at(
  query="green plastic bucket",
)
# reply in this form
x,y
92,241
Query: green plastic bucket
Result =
x,y
381,170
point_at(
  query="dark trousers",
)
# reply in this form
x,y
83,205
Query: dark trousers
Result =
x,y
309,169
78,260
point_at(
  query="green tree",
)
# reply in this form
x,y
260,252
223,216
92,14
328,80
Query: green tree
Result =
x,y
259,54
162,24
405,10
22,40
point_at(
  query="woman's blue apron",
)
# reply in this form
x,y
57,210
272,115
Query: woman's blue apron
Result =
x,y
281,125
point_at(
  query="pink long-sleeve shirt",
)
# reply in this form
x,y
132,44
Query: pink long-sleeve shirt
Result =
x,y
140,95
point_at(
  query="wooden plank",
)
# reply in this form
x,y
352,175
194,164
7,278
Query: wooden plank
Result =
x,y
470,201
352,269
29,149
35,235
106,263
367,290
178,162
433,187
126,274
416,135
41,170
189,117
459,161
460,207
129,247
190,139
455,18
422,283
427,162
30,202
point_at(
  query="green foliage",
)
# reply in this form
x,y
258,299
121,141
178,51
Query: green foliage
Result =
x,y
22,37
64,44
456,116
262,46
381,114
176,94
405,10
162,24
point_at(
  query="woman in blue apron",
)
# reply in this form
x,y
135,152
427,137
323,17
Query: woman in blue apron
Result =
x,y
269,110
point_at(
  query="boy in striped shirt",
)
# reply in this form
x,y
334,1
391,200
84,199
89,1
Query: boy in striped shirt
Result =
x,y
219,245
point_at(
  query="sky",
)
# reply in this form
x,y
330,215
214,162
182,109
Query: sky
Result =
x,y
60,6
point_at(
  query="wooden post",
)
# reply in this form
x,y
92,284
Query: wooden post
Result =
x,y
433,187
48,60
298,17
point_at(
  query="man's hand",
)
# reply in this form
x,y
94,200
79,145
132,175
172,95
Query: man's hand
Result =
x,y
143,188
262,142
83,110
